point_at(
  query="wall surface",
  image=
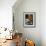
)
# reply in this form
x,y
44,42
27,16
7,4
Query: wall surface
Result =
x,y
6,13
6,16
43,22
29,33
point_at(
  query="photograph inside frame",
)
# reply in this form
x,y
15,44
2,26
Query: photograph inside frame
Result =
x,y
29,19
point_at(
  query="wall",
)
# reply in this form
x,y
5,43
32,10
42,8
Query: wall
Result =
x,y
43,22
6,13
28,6
6,16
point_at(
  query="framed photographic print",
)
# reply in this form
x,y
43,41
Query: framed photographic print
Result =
x,y
29,19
